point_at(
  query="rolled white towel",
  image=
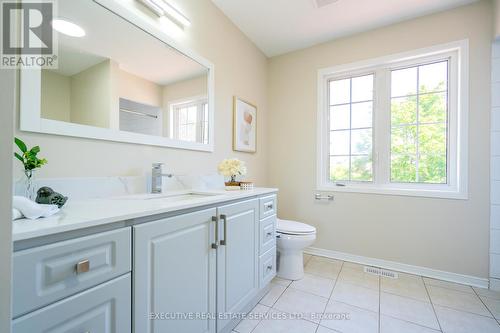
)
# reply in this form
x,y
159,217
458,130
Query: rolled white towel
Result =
x,y
32,210
16,214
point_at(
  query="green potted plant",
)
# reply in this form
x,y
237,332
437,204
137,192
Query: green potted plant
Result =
x,y
31,162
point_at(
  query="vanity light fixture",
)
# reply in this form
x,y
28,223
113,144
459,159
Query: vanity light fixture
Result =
x,y
163,8
68,28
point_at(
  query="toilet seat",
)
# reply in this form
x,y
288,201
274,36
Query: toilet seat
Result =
x,y
294,228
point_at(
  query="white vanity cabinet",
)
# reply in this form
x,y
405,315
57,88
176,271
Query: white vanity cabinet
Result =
x,y
174,273
191,271
48,273
267,246
203,263
76,285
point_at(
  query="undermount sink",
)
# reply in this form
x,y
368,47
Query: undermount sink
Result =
x,y
170,197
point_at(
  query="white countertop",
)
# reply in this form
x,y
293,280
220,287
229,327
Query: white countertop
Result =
x,y
79,214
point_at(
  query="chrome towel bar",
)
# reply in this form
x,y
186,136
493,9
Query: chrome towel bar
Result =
x,y
319,196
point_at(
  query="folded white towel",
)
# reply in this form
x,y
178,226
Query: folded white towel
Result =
x,y
32,210
16,214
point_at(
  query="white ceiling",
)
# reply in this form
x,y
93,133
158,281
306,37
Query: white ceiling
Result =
x,y
281,26
108,36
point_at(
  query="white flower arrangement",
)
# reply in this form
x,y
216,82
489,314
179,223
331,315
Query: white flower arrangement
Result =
x,y
232,167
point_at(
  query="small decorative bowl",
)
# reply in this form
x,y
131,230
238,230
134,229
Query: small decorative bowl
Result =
x,y
246,185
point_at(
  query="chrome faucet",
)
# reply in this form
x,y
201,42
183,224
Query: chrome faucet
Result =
x,y
157,177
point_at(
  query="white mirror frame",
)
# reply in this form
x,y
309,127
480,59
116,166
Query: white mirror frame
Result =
x,y
30,97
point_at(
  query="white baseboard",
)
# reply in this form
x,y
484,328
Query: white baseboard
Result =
x,y
405,268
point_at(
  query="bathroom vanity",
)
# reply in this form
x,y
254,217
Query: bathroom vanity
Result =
x,y
174,262
164,264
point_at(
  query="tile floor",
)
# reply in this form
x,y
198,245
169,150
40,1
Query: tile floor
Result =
x,y
348,300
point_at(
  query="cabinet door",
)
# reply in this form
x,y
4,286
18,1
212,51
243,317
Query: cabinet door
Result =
x,y
103,309
174,273
237,258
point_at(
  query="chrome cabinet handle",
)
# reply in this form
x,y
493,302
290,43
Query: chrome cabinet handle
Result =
x,y
82,266
269,267
269,206
216,244
224,219
269,234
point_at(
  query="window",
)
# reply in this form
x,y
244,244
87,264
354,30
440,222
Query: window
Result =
x,y
351,105
419,112
396,125
189,120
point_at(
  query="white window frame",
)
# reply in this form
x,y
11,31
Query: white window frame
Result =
x,y
458,104
174,106
343,76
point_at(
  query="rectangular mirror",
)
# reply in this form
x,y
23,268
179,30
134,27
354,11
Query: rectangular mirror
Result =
x,y
123,81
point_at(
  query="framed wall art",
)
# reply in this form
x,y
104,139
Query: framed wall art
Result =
x,y
244,126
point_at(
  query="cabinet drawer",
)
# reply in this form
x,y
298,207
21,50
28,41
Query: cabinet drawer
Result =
x,y
267,206
267,234
267,267
46,274
104,309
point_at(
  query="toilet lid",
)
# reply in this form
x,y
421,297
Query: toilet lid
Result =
x,y
294,227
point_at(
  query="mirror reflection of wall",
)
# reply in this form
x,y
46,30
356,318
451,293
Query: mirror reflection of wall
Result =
x,y
122,78
80,95
99,93
140,118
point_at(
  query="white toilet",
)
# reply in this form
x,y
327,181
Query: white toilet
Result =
x,y
293,238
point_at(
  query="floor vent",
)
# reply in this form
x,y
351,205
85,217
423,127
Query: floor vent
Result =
x,y
381,272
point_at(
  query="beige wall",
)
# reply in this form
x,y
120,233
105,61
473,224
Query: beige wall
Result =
x,y
240,69
91,96
449,235
56,96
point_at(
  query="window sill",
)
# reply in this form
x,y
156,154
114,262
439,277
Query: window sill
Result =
x,y
387,190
